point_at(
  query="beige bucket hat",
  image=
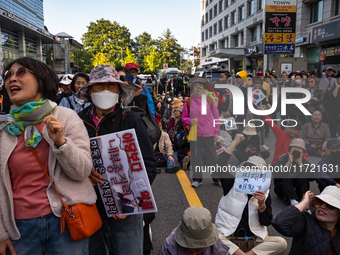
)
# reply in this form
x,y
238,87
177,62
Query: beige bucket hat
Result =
x,y
331,195
250,130
298,142
196,229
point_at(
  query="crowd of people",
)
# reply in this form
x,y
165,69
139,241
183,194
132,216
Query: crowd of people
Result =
x,y
57,117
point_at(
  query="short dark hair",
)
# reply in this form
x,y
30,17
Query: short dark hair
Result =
x,y
73,82
122,68
47,79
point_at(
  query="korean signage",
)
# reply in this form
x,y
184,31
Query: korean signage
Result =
x,y
126,189
254,50
326,32
280,27
250,180
331,51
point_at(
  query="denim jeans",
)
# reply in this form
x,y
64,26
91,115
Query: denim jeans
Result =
x,y
168,162
121,236
42,236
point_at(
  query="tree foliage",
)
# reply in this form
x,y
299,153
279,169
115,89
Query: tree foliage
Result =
x,y
130,56
168,45
153,61
109,38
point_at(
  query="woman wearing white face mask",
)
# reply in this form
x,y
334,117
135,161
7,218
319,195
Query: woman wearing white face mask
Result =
x,y
107,93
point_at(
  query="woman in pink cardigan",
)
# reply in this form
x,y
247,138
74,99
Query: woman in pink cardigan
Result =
x,y
207,133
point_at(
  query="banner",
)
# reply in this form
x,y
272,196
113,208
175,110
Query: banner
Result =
x,y
126,189
249,180
280,24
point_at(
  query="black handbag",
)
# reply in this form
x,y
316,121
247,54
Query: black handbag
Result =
x,y
160,161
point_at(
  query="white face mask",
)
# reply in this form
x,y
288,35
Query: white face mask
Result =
x,y
104,99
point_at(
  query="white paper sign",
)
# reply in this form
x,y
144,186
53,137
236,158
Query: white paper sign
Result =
x,y
230,124
258,96
249,180
126,189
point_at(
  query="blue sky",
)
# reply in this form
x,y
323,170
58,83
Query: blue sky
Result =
x,y
182,17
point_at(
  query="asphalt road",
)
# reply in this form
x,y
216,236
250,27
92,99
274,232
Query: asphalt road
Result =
x,y
171,200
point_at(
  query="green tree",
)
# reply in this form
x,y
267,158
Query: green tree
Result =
x,y
109,38
153,61
168,45
130,56
84,61
142,46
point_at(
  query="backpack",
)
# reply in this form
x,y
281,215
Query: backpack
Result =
x,y
150,122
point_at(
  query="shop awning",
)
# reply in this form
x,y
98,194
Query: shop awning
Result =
x,y
227,53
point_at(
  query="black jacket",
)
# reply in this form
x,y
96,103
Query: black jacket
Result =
x,y
309,238
334,104
131,120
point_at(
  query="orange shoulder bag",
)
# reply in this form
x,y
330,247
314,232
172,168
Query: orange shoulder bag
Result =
x,y
82,220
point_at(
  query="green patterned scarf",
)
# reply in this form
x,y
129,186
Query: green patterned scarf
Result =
x,y
24,118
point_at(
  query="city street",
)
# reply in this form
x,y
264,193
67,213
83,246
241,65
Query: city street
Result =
x,y
171,200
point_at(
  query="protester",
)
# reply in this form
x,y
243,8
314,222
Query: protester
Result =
x,y
107,93
175,123
312,234
250,146
315,102
283,138
331,163
133,69
207,132
195,235
292,186
334,111
64,83
164,146
159,108
30,208
168,112
71,101
253,213
162,84
315,134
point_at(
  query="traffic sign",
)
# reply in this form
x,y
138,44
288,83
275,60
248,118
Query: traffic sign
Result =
x,y
165,66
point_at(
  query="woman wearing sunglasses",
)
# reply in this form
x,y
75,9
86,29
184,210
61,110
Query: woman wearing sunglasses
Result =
x,y
30,208
317,233
315,102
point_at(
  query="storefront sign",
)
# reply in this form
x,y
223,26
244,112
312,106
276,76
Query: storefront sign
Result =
x,y
280,27
254,50
333,51
326,32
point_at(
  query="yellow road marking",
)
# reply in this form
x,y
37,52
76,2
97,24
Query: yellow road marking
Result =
x,y
189,191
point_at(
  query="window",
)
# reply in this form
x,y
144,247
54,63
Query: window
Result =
x,y
220,26
222,44
226,3
233,18
206,34
220,5
236,40
316,13
215,28
215,10
242,38
241,13
337,7
210,32
251,7
261,4
202,22
210,14
202,5
206,17
202,37
254,34
226,22
232,1
207,3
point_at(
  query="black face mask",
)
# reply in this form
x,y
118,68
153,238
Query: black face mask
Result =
x,y
296,154
336,155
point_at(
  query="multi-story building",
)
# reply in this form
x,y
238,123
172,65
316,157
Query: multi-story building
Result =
x,y
22,31
233,31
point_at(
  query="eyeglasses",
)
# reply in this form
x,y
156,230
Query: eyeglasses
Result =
x,y
318,201
335,149
310,82
20,72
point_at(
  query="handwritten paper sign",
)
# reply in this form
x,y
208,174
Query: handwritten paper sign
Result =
x,y
249,180
230,124
258,96
126,189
